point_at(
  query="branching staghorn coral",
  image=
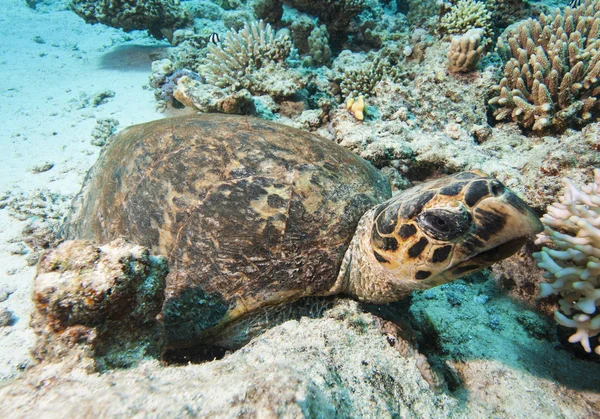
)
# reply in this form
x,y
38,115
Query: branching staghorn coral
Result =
x,y
231,63
465,15
362,81
552,69
572,228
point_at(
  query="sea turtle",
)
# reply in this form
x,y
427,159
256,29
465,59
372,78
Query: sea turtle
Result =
x,y
251,213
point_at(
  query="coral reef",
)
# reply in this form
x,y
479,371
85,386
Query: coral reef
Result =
x,y
318,45
165,80
424,13
335,14
159,17
361,78
245,58
506,12
267,10
465,15
99,303
551,70
465,51
572,229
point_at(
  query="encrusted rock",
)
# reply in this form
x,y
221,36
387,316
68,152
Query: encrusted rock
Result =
x,y
100,303
159,17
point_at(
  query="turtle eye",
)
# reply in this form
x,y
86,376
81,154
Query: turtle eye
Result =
x,y
442,224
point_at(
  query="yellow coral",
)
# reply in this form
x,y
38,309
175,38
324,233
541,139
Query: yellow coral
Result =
x,y
357,107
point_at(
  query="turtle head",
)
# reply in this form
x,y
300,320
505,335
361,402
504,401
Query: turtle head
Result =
x,y
434,233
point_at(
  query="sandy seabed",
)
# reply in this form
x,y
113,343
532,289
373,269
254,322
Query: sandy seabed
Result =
x,y
53,67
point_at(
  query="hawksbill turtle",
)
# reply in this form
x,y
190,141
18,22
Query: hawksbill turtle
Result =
x,y
252,214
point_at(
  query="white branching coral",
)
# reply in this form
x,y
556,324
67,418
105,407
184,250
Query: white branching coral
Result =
x,y
465,15
572,229
552,70
232,62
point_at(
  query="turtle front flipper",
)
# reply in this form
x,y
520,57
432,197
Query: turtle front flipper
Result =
x,y
432,234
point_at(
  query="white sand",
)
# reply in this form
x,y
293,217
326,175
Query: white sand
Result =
x,y
42,85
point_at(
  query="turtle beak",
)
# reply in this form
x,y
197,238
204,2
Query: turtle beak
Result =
x,y
502,225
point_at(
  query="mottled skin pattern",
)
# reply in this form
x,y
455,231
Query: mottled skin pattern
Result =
x,y
248,212
434,233
253,214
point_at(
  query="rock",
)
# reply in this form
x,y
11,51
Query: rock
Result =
x,y
42,167
5,317
346,363
99,302
4,294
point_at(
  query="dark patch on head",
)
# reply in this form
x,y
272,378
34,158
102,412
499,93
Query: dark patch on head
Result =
x,y
380,258
517,203
418,247
422,274
488,223
497,188
463,269
477,190
276,201
407,230
191,313
466,175
452,189
387,220
472,244
304,167
441,254
389,244
413,207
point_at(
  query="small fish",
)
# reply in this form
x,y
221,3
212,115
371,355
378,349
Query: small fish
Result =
x,y
214,37
574,3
